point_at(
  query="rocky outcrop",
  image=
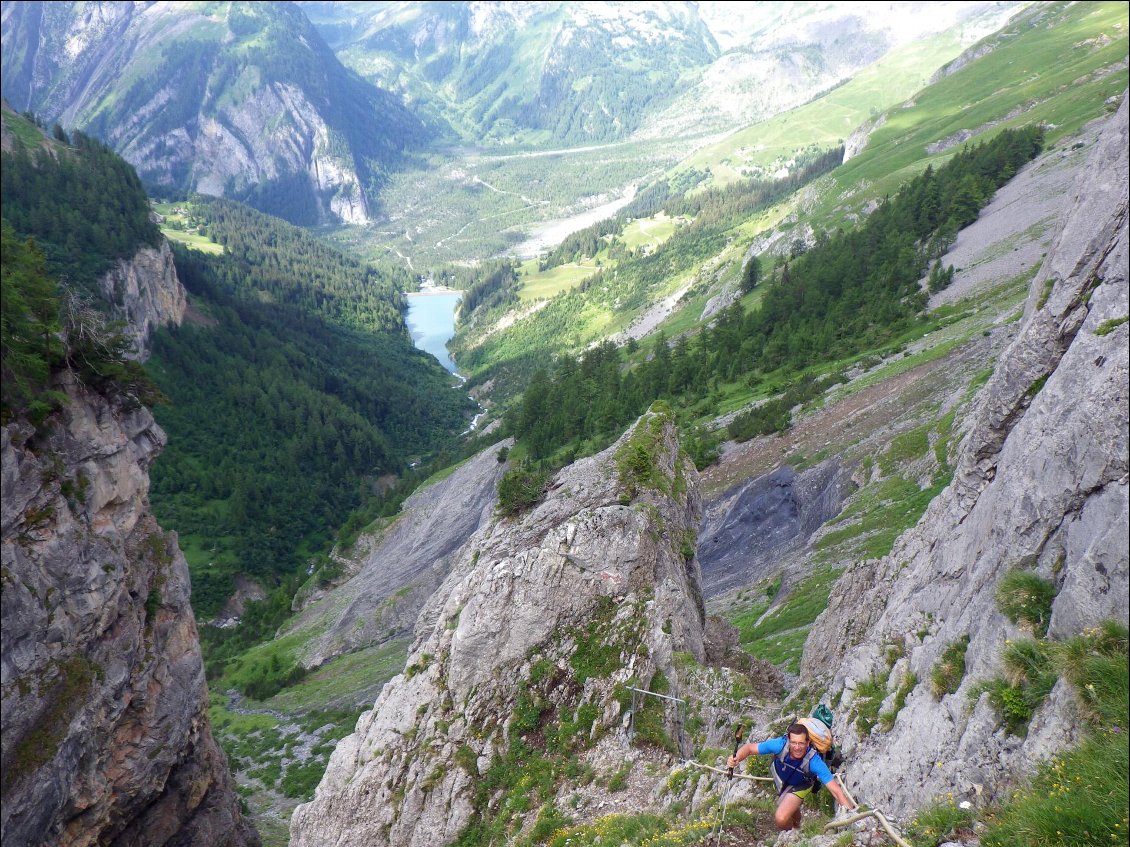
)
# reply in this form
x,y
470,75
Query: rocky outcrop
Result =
x,y
748,531
106,739
144,292
1041,483
857,141
405,563
539,622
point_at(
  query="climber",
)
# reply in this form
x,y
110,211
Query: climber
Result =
x,y
797,766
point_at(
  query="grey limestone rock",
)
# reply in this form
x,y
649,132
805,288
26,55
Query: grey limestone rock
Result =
x,y
106,738
748,530
145,292
400,568
602,549
1041,482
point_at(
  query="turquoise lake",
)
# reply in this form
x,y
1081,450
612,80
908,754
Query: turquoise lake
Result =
x,y
431,320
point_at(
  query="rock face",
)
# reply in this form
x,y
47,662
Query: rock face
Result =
x,y
747,531
403,567
550,610
144,291
105,725
1042,484
235,99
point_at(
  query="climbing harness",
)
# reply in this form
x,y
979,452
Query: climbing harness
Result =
x,y
803,769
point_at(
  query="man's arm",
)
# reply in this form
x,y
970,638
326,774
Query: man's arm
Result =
x,y
840,795
773,746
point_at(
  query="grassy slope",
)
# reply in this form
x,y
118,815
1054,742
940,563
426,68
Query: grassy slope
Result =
x,y
278,748
1055,65
828,120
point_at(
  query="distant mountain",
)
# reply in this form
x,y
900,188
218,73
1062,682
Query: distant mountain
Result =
x,y
575,73
235,99
554,72
779,55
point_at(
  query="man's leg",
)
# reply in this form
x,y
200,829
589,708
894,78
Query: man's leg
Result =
x,y
787,815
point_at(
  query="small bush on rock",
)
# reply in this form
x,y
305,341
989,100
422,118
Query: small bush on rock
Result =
x,y
1026,599
949,671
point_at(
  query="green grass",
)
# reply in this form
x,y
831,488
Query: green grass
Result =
x,y
780,637
193,240
541,285
938,822
1048,62
337,683
1026,599
949,670
1107,327
884,512
1080,797
25,131
649,231
441,475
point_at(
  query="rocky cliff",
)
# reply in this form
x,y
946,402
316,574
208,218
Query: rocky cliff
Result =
x,y
145,292
235,99
521,657
106,737
397,568
749,531
1041,485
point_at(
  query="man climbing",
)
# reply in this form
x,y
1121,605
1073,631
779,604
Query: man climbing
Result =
x,y
797,765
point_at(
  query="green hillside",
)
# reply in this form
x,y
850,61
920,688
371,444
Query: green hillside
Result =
x,y
294,390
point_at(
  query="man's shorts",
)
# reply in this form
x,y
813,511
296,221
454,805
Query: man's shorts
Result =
x,y
800,791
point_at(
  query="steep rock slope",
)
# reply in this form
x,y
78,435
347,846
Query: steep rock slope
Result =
x,y
230,99
105,725
551,611
145,292
398,569
749,532
1041,483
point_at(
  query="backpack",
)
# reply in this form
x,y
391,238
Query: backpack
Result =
x,y
819,727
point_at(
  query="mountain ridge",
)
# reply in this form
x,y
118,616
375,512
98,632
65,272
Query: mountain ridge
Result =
x,y
109,69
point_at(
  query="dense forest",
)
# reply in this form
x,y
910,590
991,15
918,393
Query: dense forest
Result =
x,y
277,262
84,205
848,293
487,286
283,413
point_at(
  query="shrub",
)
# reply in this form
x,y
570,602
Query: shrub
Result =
x,y
1026,599
301,779
887,719
619,780
869,696
949,670
520,489
1031,677
1107,327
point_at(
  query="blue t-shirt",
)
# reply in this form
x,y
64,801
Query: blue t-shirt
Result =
x,y
791,774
